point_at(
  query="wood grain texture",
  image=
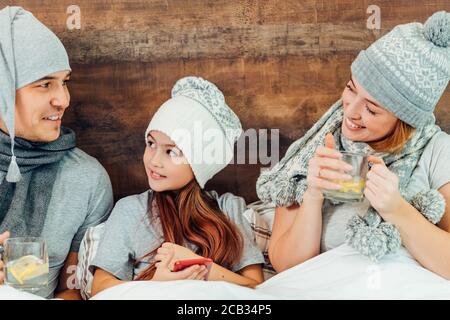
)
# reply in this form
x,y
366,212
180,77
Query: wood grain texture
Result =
x,y
280,64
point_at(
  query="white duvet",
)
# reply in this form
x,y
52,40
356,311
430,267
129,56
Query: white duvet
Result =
x,y
340,273
8,293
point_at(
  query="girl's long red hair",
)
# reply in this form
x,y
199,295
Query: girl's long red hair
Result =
x,y
191,215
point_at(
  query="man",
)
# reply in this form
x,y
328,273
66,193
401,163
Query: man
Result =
x,y
48,187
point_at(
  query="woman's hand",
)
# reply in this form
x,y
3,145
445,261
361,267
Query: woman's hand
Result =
x,y
3,237
166,258
324,167
382,189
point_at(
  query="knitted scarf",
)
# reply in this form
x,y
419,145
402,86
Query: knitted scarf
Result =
x,y
285,183
23,205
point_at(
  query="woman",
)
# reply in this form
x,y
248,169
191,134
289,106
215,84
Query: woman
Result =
x,y
386,111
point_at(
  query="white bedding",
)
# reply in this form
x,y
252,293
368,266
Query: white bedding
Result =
x,y
8,293
340,273
181,290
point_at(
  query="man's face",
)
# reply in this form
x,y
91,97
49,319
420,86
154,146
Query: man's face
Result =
x,y
40,107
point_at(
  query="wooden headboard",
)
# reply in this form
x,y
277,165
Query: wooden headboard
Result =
x,y
280,64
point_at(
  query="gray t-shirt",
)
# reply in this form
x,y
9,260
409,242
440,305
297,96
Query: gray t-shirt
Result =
x,y
81,198
431,173
129,235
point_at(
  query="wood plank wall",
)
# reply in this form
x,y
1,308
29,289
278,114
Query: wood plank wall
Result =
x,y
280,64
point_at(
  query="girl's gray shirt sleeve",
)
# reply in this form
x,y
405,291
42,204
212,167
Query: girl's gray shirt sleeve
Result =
x,y
115,253
234,207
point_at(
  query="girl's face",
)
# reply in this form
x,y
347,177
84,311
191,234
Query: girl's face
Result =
x,y
40,107
364,118
166,167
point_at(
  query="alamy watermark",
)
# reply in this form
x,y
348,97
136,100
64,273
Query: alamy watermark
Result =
x,y
374,20
73,21
201,145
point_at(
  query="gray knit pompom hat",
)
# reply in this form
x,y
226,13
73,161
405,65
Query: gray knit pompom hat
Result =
x,y
408,69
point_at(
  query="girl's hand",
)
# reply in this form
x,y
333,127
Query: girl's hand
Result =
x,y
3,237
324,167
180,252
382,189
164,273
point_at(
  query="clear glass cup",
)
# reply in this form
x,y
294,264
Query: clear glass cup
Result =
x,y
352,190
26,264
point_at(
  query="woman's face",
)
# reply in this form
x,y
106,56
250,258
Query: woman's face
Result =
x,y
40,107
166,167
364,118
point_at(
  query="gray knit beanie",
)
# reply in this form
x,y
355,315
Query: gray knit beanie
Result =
x,y
408,69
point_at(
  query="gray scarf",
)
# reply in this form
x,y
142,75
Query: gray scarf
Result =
x,y
23,205
286,183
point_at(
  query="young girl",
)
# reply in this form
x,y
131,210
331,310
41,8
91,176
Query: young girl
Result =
x,y
176,219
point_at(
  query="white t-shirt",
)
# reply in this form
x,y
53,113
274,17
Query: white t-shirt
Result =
x,y
431,173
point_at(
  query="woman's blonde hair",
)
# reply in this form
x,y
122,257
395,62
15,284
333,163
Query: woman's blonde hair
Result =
x,y
394,142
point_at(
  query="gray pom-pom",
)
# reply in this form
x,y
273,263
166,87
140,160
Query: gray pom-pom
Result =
x,y
371,242
353,225
394,240
437,29
431,204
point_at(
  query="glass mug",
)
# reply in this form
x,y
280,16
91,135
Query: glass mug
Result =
x,y
351,190
26,264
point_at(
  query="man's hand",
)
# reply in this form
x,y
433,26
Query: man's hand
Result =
x,y
3,237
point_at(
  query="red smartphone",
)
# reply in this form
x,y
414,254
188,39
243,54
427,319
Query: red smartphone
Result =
x,y
183,264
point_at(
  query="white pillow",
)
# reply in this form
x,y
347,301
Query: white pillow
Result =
x,y
86,254
260,216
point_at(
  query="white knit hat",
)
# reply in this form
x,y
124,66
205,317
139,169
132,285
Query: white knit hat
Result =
x,y
201,124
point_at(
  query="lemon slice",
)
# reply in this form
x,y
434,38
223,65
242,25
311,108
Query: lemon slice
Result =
x,y
355,185
27,267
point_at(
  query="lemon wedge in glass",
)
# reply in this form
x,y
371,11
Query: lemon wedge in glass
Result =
x,y
355,185
27,267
